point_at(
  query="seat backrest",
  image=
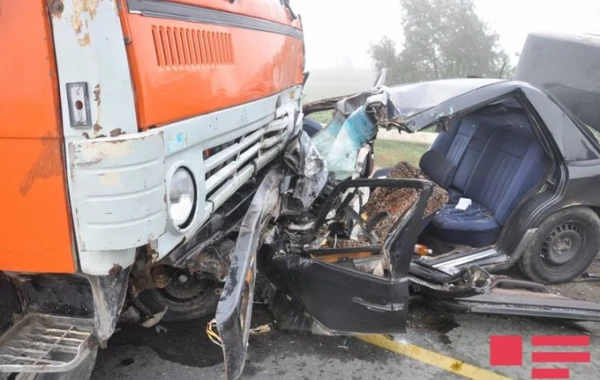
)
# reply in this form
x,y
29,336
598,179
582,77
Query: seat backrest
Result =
x,y
462,146
512,164
472,154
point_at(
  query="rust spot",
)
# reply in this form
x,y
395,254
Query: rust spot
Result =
x,y
72,152
456,366
76,24
116,132
97,99
97,94
90,162
116,269
85,40
48,164
81,7
151,254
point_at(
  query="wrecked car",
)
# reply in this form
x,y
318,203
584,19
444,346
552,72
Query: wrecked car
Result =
x,y
508,156
510,180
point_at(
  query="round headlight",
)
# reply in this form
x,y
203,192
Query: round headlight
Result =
x,y
182,195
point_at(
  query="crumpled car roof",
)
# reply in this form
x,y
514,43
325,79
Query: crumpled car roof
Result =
x,y
405,101
415,106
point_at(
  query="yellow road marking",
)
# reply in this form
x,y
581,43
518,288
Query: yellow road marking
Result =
x,y
433,358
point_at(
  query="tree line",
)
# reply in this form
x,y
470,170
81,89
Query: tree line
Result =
x,y
442,39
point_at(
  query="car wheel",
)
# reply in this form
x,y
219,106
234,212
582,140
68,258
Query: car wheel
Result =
x,y
82,372
185,297
564,246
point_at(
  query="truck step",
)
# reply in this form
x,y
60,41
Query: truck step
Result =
x,y
46,343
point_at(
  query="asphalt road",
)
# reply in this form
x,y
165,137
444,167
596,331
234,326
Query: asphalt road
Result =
x,y
184,352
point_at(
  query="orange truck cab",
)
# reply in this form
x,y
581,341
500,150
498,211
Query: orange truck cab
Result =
x,y
132,136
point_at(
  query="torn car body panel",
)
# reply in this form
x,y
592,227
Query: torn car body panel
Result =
x,y
235,306
527,299
343,299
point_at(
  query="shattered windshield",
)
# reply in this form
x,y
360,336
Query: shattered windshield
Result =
x,y
340,142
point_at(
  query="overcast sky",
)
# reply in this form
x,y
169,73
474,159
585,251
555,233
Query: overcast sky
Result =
x,y
337,29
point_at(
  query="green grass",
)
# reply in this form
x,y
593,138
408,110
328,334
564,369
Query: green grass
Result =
x,y
323,117
389,153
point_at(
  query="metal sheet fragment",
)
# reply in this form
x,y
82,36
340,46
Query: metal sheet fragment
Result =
x,y
304,159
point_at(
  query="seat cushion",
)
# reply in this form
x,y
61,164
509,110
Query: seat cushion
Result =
x,y
474,226
461,147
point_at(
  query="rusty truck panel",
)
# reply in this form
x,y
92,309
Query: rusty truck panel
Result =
x,y
90,51
35,223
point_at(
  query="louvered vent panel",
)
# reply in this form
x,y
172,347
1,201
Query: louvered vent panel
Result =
x,y
179,47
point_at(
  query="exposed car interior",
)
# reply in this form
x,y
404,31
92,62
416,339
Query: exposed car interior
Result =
x,y
490,158
487,161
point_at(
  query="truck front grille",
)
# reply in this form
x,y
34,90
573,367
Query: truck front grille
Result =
x,y
229,166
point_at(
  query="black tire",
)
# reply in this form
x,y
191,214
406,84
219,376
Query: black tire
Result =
x,y
82,372
565,245
192,300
